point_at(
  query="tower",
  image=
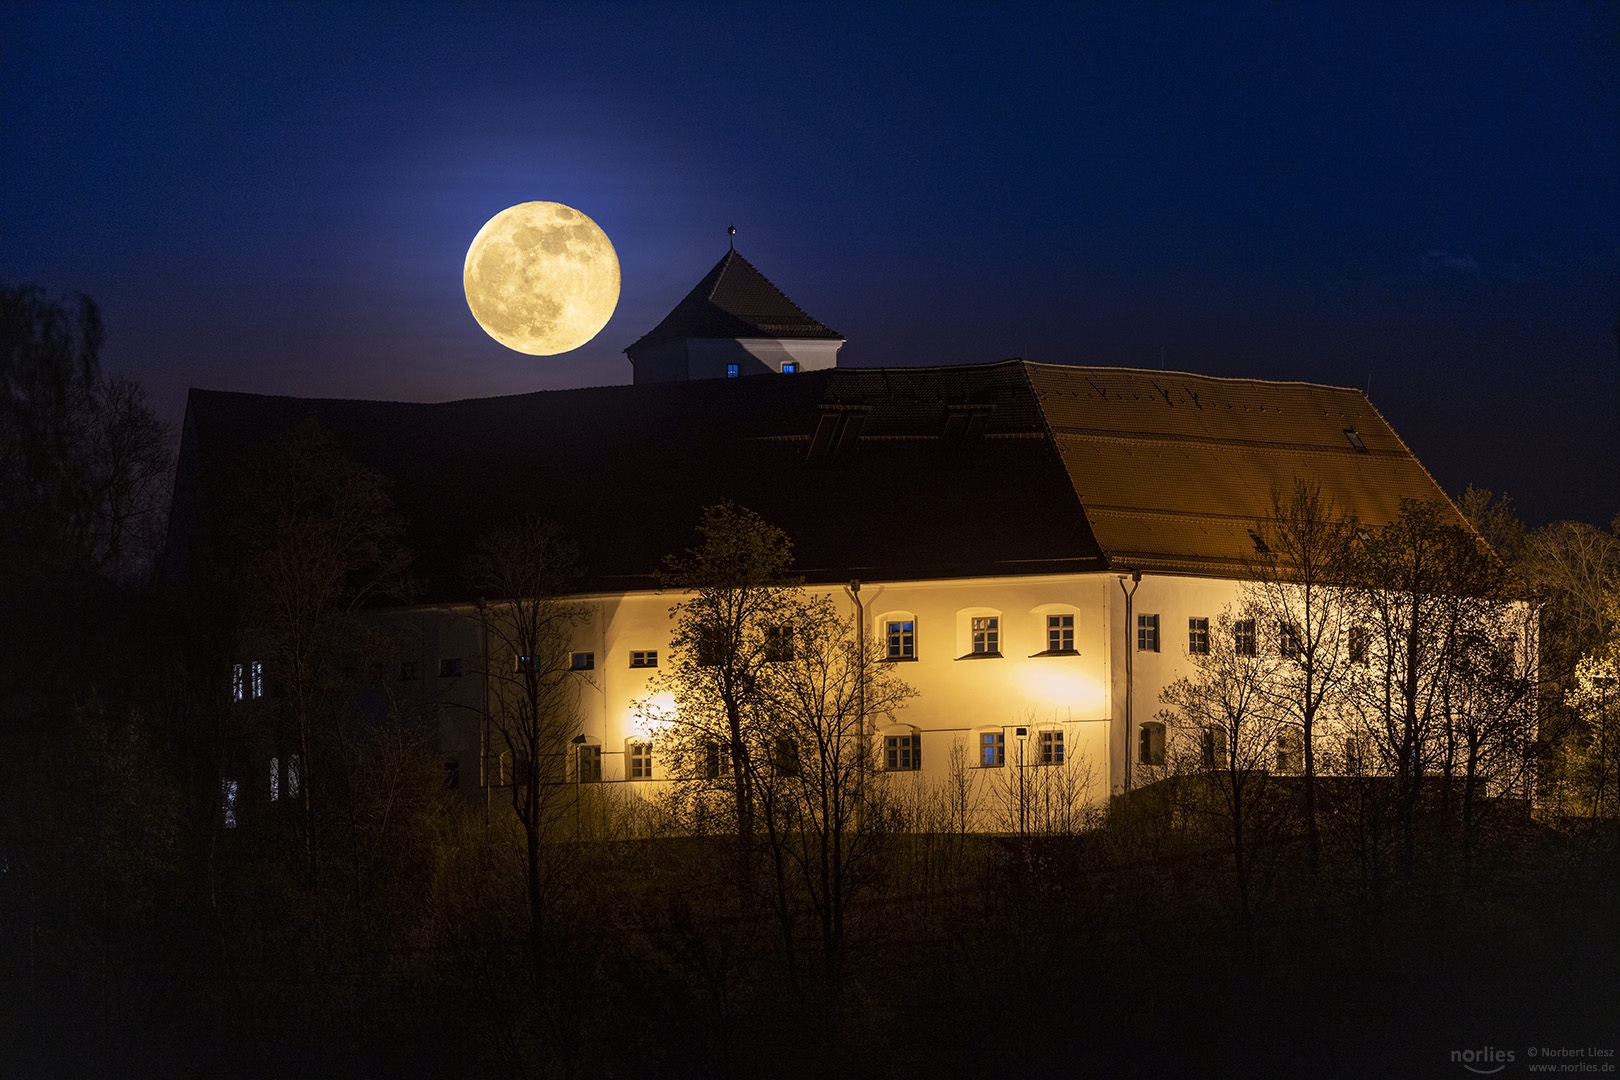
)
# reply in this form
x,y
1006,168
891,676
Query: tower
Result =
x,y
734,322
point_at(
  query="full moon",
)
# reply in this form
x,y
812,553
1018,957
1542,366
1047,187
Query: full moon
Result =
x,y
541,278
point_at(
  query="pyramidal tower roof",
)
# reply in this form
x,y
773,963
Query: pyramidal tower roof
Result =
x,y
734,300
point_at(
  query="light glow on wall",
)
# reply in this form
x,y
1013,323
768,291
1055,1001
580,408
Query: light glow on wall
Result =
x,y
1056,684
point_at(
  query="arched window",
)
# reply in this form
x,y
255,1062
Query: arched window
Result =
x,y
1150,744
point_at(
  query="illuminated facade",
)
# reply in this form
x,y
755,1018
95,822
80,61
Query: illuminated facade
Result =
x,y
1038,546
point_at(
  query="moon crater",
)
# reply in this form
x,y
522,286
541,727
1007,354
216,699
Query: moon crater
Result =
x,y
541,278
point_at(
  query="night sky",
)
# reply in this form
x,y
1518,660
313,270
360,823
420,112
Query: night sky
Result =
x,y
278,198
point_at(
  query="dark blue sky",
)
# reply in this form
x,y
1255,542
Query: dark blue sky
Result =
x,y
279,198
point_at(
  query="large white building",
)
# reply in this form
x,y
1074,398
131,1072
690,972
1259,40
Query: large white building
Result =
x,y
995,515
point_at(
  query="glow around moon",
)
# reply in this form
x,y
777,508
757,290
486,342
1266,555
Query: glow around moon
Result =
x,y
541,278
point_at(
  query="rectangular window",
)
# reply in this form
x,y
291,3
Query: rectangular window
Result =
x,y
640,761
275,779
293,767
408,670
227,802
1051,748
1150,744
247,681
1198,637
716,760
902,753
589,758
525,663
1060,633
992,749
731,371
902,640
644,658
1147,633
785,756
450,668
778,644
582,661
1243,637
987,634
790,368
1360,644
1288,640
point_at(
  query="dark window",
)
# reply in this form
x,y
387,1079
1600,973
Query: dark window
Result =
x,y
1147,633
450,667
902,753
987,634
1288,750
452,773
1351,434
525,663
1198,637
1060,633
589,763
711,645
992,749
582,661
1288,640
640,754
1243,637
1150,744
902,640
1360,644
785,756
716,760
1051,747
778,644
409,669
1214,748
644,658
1259,542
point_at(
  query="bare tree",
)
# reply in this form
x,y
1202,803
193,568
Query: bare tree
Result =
x,y
1296,585
523,575
1226,738
321,541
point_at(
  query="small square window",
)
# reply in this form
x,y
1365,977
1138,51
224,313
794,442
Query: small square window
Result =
x,y
987,634
1198,637
1060,633
902,640
902,753
731,371
790,369
1051,747
450,667
409,670
1243,637
582,661
640,754
1147,633
992,749
644,658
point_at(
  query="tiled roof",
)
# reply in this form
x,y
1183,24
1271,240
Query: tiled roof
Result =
x,y
734,300
1051,468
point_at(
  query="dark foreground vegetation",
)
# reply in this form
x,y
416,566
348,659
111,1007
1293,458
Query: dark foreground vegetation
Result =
x,y
376,921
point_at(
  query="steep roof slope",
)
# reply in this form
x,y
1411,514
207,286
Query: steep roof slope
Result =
x,y
734,300
1174,469
875,473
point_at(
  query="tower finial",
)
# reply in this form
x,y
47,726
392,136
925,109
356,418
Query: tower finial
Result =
x,y
731,231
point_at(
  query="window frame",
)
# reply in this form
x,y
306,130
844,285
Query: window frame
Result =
x,y
991,739
1150,748
899,639
1060,634
1197,636
450,667
1147,632
638,759
902,750
1245,641
1050,746
643,658
984,635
